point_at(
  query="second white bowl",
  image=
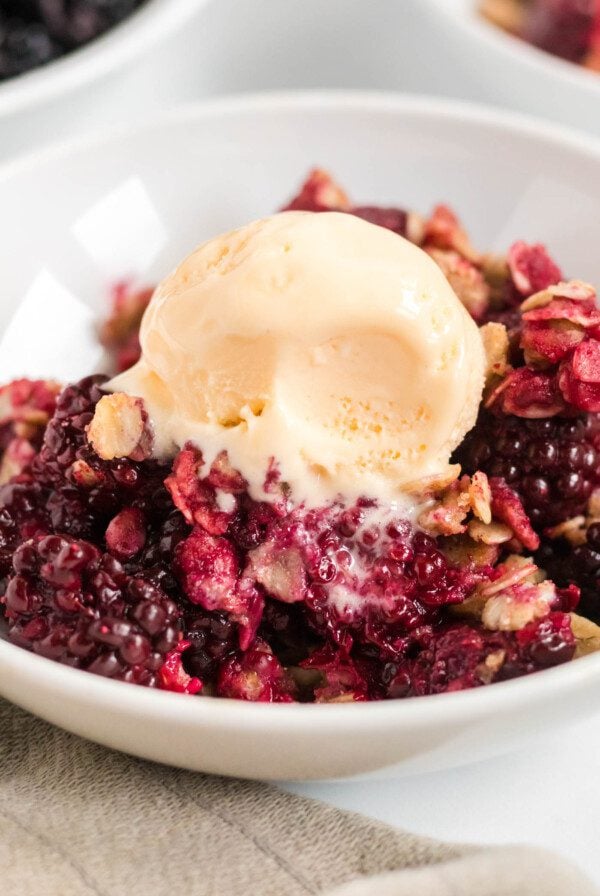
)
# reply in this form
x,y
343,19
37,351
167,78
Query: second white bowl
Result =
x,y
79,89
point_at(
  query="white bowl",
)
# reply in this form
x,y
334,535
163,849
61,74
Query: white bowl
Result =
x,y
484,63
79,216
80,87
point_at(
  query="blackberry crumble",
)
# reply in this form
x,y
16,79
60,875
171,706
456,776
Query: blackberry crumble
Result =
x,y
173,573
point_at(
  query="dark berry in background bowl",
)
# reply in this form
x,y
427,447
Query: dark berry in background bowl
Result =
x,y
63,59
533,56
35,32
569,29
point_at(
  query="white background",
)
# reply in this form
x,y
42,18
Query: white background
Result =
x,y
547,794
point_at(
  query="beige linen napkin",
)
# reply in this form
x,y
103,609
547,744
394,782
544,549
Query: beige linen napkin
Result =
x,y
79,820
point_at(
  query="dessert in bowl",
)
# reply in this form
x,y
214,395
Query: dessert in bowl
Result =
x,y
301,487
487,62
569,29
264,506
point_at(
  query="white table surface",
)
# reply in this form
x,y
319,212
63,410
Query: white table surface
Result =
x,y
549,795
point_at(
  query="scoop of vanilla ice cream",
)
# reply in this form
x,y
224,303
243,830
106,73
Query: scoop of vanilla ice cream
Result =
x,y
328,344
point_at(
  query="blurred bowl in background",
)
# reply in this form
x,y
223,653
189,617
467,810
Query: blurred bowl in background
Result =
x,y
484,63
77,87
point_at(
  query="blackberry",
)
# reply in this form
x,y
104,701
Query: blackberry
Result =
x,y
23,46
157,556
21,516
287,629
213,638
69,602
81,493
580,565
34,32
77,22
112,611
65,433
553,464
458,656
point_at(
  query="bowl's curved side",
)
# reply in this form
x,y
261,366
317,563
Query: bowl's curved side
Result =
x,y
299,742
138,33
